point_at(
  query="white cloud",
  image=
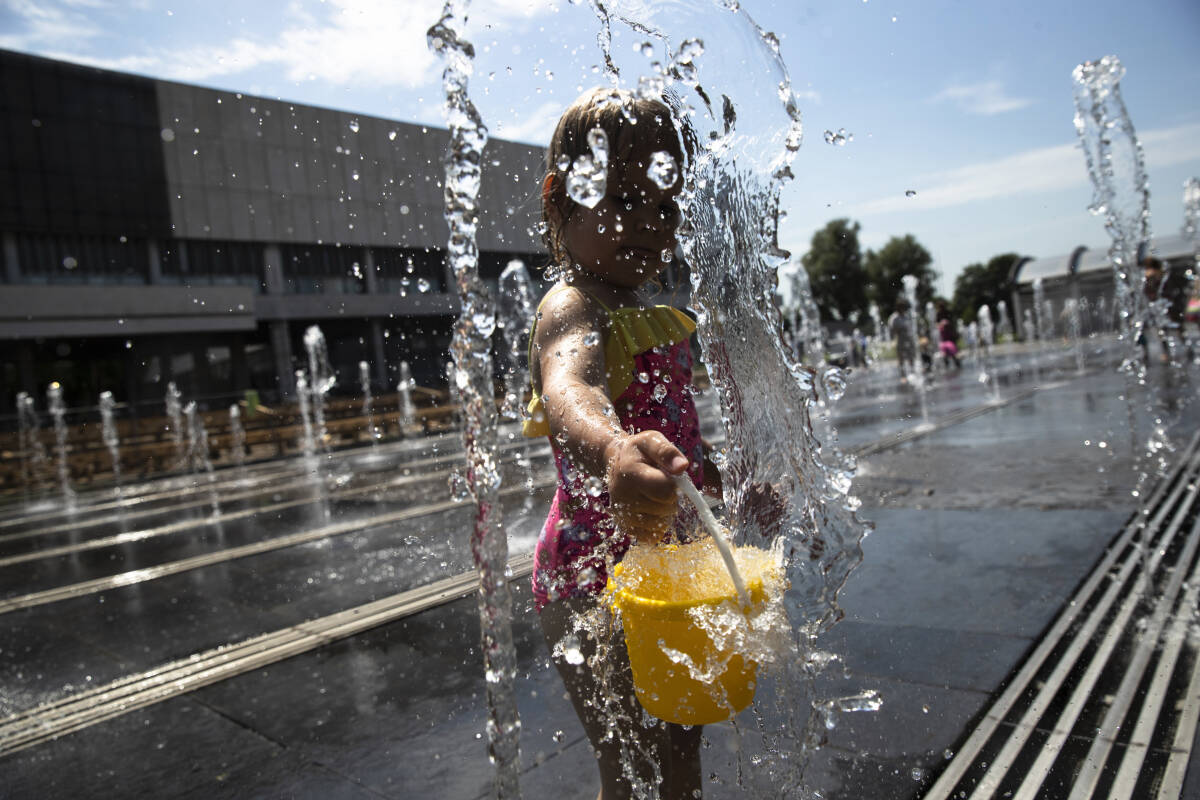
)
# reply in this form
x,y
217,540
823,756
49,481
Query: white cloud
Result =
x,y
534,127
986,98
342,42
1042,170
46,25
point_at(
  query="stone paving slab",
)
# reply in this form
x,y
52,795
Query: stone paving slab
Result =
x,y
947,600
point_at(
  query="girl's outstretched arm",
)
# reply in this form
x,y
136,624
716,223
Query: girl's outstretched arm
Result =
x,y
636,467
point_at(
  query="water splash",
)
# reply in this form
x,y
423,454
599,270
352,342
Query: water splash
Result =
x,y
1191,234
1116,165
108,433
54,400
806,316
588,179
470,345
745,118
663,170
515,311
174,408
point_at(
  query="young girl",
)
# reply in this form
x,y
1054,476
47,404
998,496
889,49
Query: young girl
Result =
x,y
611,388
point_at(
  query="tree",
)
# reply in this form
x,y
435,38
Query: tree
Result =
x,y
835,270
902,255
982,283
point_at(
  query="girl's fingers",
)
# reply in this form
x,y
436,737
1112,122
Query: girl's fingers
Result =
x,y
659,450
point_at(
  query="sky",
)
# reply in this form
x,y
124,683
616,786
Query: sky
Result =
x,y
958,114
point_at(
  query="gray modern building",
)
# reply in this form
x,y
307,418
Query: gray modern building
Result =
x,y
1085,275
155,231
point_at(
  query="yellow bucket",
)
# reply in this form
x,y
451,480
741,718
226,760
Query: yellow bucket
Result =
x,y
667,689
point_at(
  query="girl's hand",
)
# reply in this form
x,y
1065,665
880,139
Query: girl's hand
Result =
x,y
640,488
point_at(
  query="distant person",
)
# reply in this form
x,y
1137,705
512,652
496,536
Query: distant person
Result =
x,y
1166,292
900,325
947,336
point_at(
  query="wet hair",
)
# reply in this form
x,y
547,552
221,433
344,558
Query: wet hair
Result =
x,y
1150,262
619,114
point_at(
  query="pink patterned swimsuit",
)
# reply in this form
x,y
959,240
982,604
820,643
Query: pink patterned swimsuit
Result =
x,y
579,539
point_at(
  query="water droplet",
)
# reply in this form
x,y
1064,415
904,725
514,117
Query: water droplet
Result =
x,y
662,170
422,285
591,339
772,41
917,774
563,163
167,134
600,228
910,193
569,647
593,486
834,383
645,48
70,262
666,256
643,377
659,393
838,139
558,736
354,125
354,175
391,136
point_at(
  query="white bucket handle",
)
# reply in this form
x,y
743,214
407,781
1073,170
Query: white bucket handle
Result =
x,y
715,530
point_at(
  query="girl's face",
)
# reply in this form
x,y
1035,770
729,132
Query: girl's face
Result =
x,y
622,239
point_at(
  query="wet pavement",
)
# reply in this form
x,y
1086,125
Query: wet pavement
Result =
x,y
982,530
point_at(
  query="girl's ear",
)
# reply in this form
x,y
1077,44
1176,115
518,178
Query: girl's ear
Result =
x,y
552,197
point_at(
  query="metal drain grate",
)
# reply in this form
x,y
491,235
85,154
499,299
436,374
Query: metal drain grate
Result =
x,y
1106,705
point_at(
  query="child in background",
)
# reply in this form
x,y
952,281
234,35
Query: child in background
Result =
x,y
611,382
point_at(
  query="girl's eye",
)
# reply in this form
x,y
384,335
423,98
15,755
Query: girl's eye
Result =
x,y
669,211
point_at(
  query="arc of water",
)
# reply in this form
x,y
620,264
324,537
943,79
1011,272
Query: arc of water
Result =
x,y
470,345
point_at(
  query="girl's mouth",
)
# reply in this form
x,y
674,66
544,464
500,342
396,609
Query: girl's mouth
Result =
x,y
639,253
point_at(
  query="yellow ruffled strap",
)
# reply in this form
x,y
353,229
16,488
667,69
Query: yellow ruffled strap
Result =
x,y
631,331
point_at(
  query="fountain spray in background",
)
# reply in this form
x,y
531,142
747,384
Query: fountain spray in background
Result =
x,y
308,440
986,338
368,406
1116,165
916,378
108,432
237,435
174,406
408,411
54,400
33,455
199,460
471,345
320,380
